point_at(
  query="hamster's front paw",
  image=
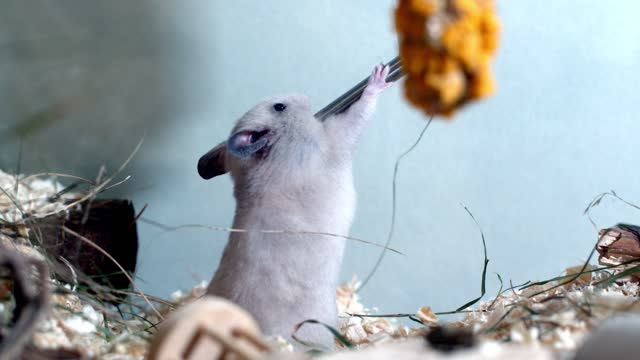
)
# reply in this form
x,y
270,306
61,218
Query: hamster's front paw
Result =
x,y
377,81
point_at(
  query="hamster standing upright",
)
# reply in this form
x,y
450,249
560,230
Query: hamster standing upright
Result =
x,y
290,172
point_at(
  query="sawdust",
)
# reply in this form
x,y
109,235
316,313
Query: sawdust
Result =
x,y
550,318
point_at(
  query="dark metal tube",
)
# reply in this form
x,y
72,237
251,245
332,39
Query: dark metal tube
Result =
x,y
343,106
347,99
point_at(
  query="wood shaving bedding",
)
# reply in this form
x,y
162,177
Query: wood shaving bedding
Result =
x,y
542,321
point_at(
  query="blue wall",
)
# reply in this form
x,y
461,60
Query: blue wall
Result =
x,y
562,128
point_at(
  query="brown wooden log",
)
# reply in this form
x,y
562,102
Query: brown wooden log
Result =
x,y
110,224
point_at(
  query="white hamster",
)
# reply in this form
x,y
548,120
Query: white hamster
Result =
x,y
290,172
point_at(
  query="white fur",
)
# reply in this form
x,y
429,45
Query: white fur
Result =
x,y
305,183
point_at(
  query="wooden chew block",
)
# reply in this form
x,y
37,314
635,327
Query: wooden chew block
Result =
x,y
617,245
622,240
208,328
110,224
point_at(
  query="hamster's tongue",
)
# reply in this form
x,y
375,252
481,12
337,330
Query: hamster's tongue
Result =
x,y
249,137
245,137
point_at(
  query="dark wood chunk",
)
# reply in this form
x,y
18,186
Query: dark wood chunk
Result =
x,y
447,339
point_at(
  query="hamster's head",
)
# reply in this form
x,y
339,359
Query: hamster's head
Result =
x,y
274,133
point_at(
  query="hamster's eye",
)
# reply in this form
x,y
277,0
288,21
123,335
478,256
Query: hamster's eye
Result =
x,y
279,107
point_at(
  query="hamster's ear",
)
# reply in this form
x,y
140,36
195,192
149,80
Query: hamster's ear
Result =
x,y
212,163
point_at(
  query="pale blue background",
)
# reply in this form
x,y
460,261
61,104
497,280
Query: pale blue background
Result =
x,y
563,127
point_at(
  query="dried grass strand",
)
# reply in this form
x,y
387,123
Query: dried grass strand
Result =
x,y
98,187
288,232
105,253
375,267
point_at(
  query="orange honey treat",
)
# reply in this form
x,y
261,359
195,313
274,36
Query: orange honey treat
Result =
x,y
446,47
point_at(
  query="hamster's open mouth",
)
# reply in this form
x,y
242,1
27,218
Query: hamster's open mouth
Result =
x,y
264,135
245,143
255,136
